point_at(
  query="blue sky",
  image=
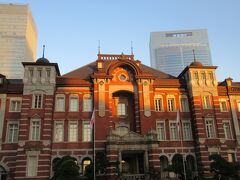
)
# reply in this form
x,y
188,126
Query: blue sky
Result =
x,y
71,29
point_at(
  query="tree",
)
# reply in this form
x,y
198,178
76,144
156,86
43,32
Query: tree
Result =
x,y
66,168
223,169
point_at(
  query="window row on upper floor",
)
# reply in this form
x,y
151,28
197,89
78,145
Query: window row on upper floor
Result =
x,y
87,103
207,103
72,128
175,129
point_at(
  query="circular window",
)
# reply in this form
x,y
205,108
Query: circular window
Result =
x,y
122,77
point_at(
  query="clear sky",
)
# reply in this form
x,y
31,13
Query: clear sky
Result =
x,y
71,29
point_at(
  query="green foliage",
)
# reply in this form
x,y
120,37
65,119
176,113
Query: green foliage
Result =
x,y
66,168
222,168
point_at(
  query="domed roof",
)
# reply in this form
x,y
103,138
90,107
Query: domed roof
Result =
x,y
196,63
42,60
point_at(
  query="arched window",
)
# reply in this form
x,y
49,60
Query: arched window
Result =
x,y
85,162
3,173
191,166
163,166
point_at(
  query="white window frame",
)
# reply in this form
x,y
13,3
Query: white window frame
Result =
x,y
57,107
170,132
8,132
31,129
87,103
190,130
89,136
34,101
204,102
173,109
158,108
29,172
221,107
213,128
55,131
69,132
230,129
73,96
186,105
164,130
15,108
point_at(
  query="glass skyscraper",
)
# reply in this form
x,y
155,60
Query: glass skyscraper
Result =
x,y
172,51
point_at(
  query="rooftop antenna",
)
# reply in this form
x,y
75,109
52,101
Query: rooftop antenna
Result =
x,y
99,47
194,58
43,50
131,48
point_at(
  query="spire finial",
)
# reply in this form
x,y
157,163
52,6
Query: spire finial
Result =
x,y
194,58
99,47
131,48
43,50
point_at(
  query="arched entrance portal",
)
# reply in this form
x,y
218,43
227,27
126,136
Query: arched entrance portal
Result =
x,y
3,173
124,109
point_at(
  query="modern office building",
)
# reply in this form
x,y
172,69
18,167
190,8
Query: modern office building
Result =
x,y
47,116
172,51
18,39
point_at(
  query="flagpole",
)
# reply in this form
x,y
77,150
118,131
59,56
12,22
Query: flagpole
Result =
x,y
92,125
94,155
181,140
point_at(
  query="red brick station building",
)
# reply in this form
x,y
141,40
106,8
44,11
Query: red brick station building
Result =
x,y
46,115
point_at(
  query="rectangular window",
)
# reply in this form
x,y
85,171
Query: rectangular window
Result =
x,y
72,129
210,75
223,106
121,109
210,130
184,105
30,73
227,129
158,104
160,128
37,101
86,131
87,104
171,104
48,73
60,104
206,102
32,166
15,106
203,76
195,74
35,129
187,131
73,104
173,131
59,132
13,132
39,73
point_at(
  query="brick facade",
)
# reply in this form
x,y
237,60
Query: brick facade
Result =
x,y
135,117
